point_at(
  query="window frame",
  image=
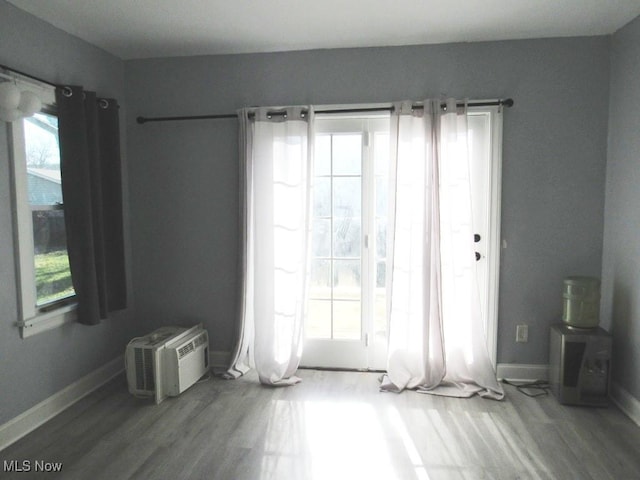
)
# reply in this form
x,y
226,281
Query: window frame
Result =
x,y
32,319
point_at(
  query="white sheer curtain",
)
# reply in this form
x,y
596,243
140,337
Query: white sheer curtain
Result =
x,y
276,162
436,338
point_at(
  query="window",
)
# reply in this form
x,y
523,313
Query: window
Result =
x,y
44,191
45,288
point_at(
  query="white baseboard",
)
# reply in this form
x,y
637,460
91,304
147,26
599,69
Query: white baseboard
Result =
x,y
37,415
625,402
219,359
522,372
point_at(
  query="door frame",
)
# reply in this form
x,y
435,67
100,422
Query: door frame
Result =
x,y
363,353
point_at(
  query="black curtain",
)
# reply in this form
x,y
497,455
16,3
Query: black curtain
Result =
x,y
90,166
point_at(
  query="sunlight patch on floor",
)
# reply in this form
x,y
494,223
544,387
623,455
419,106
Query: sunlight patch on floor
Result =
x,y
346,440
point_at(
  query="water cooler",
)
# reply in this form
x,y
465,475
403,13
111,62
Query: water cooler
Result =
x,y
580,351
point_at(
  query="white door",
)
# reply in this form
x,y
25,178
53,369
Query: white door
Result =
x,y
346,324
485,140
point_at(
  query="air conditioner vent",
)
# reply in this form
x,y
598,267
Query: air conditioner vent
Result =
x,y
148,370
144,369
185,349
139,368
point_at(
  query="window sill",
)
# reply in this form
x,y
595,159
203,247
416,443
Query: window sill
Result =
x,y
47,321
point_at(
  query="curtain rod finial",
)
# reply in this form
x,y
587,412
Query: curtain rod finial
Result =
x,y
141,120
508,102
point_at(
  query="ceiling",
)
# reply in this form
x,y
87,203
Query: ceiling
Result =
x,y
161,28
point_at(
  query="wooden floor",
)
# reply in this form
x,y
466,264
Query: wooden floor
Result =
x,y
334,425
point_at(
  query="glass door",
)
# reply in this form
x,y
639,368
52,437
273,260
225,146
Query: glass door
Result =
x,y
346,324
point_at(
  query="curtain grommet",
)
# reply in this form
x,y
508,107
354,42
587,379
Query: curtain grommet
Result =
x,y
103,103
67,92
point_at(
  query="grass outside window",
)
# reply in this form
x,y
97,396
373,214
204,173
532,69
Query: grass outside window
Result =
x,y
53,277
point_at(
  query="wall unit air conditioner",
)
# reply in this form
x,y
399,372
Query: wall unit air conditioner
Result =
x,y
167,361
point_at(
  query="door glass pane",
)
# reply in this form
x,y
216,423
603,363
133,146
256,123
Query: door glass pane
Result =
x,y
346,237
321,242
381,237
382,197
347,197
381,275
322,197
322,158
320,285
347,154
381,154
346,279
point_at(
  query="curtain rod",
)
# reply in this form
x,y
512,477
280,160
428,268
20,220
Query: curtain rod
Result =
x,y
26,75
508,102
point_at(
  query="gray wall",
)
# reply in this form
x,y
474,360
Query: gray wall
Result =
x,y
184,192
35,368
621,256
